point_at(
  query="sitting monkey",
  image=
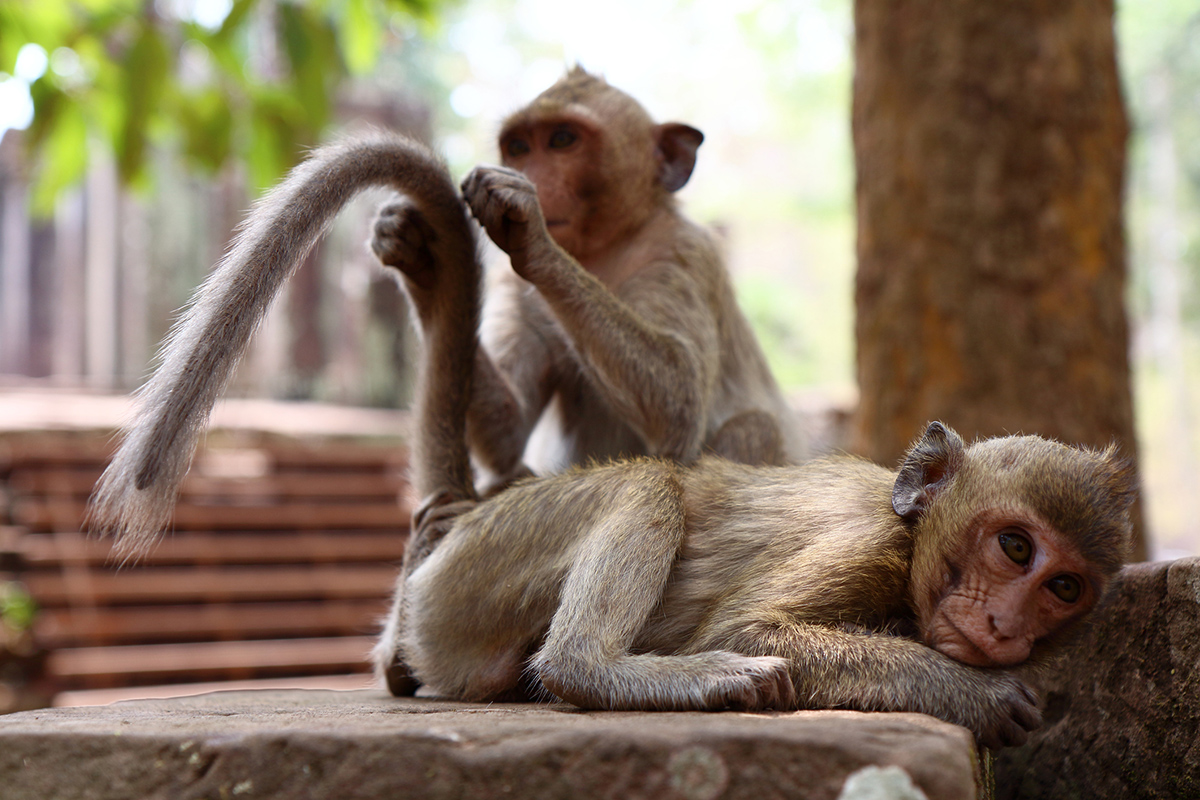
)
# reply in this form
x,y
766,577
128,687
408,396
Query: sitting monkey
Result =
x,y
616,332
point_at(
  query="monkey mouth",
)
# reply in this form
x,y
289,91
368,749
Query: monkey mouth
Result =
x,y
965,649
962,648
967,652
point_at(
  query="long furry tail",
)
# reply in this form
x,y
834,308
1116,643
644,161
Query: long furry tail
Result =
x,y
135,496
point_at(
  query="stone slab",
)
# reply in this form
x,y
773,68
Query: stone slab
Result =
x,y
1123,716
365,744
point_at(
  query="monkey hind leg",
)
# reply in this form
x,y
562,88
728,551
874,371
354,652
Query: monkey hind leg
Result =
x,y
399,678
430,523
615,582
751,437
390,666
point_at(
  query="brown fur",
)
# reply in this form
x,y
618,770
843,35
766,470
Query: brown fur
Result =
x,y
616,333
646,584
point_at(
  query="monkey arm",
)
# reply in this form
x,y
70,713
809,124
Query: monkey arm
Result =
x,y
505,401
834,668
650,350
503,411
516,371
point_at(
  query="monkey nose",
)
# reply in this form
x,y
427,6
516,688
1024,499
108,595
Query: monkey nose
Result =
x,y
1003,628
1008,645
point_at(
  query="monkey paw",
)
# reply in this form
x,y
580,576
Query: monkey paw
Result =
x,y
758,683
401,238
505,203
1009,715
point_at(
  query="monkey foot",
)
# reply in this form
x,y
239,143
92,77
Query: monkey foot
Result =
x,y
400,680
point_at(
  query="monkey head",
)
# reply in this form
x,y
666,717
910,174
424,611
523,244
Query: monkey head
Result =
x,y
1015,539
601,165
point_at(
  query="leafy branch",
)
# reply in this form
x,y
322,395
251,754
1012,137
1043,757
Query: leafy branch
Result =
x,y
257,85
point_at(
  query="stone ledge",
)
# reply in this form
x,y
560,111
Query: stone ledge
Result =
x,y
1123,715
364,744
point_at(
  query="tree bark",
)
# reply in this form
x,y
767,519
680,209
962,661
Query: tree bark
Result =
x,y
990,148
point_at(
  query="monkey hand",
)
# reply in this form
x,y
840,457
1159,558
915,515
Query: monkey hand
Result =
x,y
757,683
401,237
1006,713
506,204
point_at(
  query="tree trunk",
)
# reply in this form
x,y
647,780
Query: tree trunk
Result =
x,y
990,148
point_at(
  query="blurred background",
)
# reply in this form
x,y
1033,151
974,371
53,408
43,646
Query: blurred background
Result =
x,y
136,135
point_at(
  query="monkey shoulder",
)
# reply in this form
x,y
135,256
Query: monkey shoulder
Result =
x,y
790,509
673,248
698,244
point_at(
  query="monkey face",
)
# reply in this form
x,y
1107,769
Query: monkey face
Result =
x,y
598,162
1019,581
557,153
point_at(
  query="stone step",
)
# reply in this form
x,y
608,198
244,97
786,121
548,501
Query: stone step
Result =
x,y
365,745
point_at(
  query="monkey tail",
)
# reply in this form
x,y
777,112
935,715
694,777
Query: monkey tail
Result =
x,y
135,495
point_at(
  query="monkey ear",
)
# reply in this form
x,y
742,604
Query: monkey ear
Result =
x,y
927,469
676,152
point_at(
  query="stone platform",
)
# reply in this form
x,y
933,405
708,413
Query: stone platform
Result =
x,y
364,745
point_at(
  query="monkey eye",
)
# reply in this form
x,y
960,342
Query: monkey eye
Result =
x,y
1015,545
516,147
562,137
1065,587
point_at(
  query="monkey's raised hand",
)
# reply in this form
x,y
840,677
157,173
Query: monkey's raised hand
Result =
x,y
401,238
506,204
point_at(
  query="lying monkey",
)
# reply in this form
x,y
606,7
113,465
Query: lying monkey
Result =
x,y
837,584
647,584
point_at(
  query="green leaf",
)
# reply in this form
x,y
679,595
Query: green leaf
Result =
x,y
63,156
360,35
311,48
44,23
146,68
418,9
206,122
127,93
277,136
17,607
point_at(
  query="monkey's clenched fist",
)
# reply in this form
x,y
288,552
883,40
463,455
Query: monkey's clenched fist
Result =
x,y
506,204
